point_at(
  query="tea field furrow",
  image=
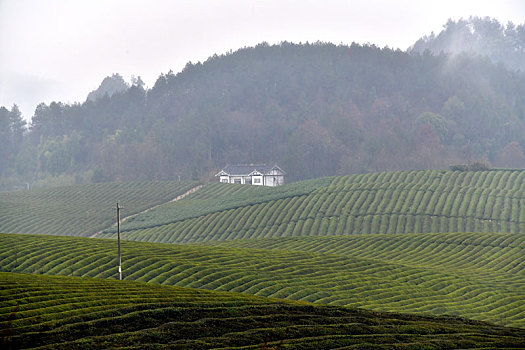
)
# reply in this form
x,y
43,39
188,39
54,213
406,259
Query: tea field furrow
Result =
x,y
366,207
218,197
81,210
363,271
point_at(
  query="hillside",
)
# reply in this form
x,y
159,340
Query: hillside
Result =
x,y
379,241
501,43
388,202
104,313
474,275
81,210
315,109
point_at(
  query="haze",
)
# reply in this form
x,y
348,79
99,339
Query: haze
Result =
x,y
60,50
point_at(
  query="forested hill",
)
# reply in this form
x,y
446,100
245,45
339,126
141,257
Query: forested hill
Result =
x,y
315,109
479,36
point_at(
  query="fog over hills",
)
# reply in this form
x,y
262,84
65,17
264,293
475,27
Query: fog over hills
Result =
x,y
501,43
315,109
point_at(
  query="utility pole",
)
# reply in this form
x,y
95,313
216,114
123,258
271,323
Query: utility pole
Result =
x,y
118,237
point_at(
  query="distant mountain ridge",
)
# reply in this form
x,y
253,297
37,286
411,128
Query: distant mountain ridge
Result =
x,y
109,86
315,109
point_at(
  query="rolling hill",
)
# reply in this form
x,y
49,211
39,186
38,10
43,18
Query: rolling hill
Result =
x,y
81,210
474,275
388,202
316,109
420,242
78,313
423,201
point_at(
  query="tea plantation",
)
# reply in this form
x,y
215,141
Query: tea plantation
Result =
x,y
425,244
390,202
81,210
48,312
479,276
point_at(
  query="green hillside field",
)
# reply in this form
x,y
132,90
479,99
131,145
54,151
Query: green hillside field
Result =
x,y
51,312
476,275
390,202
428,243
81,210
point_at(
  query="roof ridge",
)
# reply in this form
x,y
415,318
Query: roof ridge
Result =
x,y
247,169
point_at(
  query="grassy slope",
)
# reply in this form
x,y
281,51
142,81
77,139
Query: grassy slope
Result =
x,y
69,313
81,210
479,276
218,197
392,202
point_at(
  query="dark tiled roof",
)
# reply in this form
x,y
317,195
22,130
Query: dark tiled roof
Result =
x,y
245,170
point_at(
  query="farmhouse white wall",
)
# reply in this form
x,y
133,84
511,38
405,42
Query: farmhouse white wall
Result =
x,y
257,175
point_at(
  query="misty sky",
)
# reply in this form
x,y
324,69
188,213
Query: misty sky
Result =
x,y
60,50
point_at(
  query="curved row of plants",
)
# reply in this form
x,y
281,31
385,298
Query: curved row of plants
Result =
x,y
217,197
479,276
497,253
390,202
50,312
83,209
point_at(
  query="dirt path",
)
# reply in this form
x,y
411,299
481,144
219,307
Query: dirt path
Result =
x,y
122,220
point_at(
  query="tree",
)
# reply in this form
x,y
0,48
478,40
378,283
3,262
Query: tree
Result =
x,y
512,156
315,109
5,139
12,129
479,36
438,122
427,150
18,128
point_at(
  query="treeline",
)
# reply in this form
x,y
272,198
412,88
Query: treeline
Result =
x,y
315,109
12,130
479,36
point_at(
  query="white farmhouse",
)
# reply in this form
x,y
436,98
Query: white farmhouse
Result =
x,y
258,175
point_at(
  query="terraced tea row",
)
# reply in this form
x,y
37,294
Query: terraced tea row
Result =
x,y
218,197
81,210
72,313
499,253
393,202
479,276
